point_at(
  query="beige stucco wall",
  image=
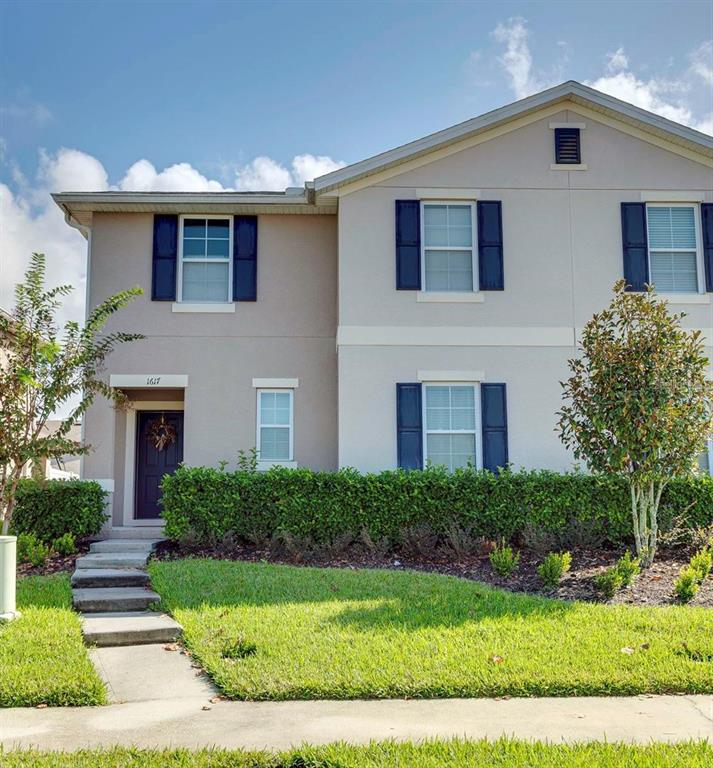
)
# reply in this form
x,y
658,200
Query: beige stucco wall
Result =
x,y
289,332
562,254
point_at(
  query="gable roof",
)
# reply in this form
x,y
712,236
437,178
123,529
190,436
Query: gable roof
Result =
x,y
571,91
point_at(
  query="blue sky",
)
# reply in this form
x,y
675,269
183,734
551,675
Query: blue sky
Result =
x,y
169,95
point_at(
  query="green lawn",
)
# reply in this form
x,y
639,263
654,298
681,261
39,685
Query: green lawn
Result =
x,y
450,754
42,656
278,632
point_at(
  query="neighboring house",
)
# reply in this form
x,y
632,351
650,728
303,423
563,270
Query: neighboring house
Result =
x,y
420,305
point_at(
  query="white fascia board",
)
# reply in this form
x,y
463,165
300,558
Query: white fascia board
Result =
x,y
156,198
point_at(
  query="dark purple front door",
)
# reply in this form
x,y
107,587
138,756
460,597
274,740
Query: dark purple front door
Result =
x,y
159,451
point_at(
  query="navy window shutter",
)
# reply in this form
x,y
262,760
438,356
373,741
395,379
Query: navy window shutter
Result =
x,y
245,258
491,274
635,245
165,257
409,426
408,245
495,426
707,226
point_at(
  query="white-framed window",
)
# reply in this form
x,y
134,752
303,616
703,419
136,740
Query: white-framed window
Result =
x,y
205,249
275,425
451,425
675,262
448,252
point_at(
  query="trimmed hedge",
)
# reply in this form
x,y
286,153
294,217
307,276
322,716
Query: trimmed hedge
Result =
x,y
51,508
325,505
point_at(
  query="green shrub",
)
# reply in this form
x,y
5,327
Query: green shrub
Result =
x,y
31,550
553,568
65,545
326,505
504,560
687,584
701,563
51,508
627,568
608,583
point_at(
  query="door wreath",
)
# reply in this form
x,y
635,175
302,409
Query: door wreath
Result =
x,y
161,433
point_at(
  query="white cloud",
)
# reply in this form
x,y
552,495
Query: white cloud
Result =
x,y
265,174
181,177
517,59
617,60
262,174
309,167
702,62
71,171
665,96
29,111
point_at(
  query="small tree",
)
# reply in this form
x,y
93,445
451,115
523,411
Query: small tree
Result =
x,y
43,370
638,403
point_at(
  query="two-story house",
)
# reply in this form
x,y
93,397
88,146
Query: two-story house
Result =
x,y
417,306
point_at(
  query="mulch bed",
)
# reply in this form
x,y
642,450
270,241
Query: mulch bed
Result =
x,y
652,587
55,564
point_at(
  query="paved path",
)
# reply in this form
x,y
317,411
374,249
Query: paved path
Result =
x,y
193,721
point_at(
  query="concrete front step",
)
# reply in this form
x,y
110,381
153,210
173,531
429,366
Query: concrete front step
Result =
x,y
113,560
123,545
135,532
110,577
113,599
129,628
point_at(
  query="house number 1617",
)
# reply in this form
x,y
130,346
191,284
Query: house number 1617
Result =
x,y
152,380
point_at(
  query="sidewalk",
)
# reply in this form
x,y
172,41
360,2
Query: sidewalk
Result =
x,y
161,700
278,725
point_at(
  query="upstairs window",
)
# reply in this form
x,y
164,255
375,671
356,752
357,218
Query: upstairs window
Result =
x,y
448,251
673,248
205,273
567,146
450,425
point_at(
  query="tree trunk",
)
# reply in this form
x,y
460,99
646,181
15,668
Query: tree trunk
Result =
x,y
645,501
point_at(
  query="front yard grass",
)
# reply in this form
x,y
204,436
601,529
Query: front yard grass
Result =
x,y
436,754
280,632
42,656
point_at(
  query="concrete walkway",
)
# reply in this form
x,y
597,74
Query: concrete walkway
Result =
x,y
194,721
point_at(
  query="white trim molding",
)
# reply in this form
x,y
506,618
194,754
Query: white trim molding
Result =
x,y
226,308
569,167
447,193
453,336
579,126
672,196
264,465
276,383
450,297
107,484
148,380
685,298
454,376
130,456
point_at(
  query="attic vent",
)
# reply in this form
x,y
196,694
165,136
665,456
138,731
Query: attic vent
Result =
x,y
567,146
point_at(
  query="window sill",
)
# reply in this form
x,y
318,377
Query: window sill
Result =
x,y
263,466
448,297
568,167
686,298
179,306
